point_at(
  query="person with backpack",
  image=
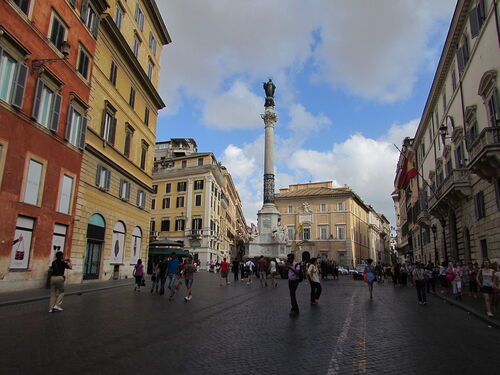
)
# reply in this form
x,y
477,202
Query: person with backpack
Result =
x,y
314,281
57,279
419,276
249,271
369,276
294,276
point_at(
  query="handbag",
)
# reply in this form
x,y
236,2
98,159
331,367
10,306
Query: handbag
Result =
x,y
450,276
143,282
365,277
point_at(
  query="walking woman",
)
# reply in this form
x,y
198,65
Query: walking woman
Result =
x,y
313,275
486,280
369,276
57,282
155,277
188,272
419,276
138,274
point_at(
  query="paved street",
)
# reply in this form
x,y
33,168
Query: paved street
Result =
x,y
246,330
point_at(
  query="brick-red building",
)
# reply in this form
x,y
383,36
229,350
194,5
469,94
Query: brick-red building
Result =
x,y
43,107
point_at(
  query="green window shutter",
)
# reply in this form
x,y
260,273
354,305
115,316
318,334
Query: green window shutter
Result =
x,y
20,85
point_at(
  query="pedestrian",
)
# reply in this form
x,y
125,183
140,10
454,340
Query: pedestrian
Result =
x,y
314,281
442,277
155,277
369,276
458,281
486,280
419,275
59,266
249,270
224,270
395,274
163,274
172,270
138,273
262,269
188,273
273,271
430,281
293,281
235,268
471,272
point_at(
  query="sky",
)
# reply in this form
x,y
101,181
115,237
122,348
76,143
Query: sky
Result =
x,y
351,76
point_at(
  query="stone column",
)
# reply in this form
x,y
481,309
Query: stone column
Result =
x,y
270,120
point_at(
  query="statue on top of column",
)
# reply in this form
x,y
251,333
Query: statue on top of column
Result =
x,y
269,88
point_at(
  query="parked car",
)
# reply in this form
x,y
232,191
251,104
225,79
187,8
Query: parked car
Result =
x,y
358,272
343,271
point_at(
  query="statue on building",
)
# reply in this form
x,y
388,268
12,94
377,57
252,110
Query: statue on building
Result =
x,y
254,232
306,208
269,88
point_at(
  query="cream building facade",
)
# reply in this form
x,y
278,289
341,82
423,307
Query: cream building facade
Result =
x,y
454,203
196,202
323,221
114,199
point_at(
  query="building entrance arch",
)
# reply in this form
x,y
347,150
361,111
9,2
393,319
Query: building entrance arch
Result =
x,y
96,229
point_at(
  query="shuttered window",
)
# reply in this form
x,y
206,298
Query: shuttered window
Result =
x,y
12,79
47,106
76,128
103,177
66,194
33,182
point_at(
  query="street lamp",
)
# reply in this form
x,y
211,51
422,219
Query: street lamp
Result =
x,y
65,47
436,257
443,223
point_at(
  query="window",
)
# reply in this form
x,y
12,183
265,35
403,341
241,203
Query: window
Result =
x,y
131,97
137,44
340,206
470,125
449,166
484,248
12,79
144,152
21,245
153,204
306,235
493,105
141,199
290,209
146,116
152,226
33,182
463,55
47,106
83,63
103,177
476,18
184,164
66,194
57,34
89,17
113,73
453,79
200,162
479,205
108,126
150,69
181,186
76,127
197,200
125,190
323,207
444,100
198,185
118,16
179,202
139,17
24,5
168,188
323,233
152,43
165,225
497,188
165,203
291,233
180,224
341,232
129,132
196,223
460,156
155,189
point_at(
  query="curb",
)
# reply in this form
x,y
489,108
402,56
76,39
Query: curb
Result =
x,y
470,310
46,297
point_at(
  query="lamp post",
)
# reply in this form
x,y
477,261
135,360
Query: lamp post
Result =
x,y
443,223
436,256
38,63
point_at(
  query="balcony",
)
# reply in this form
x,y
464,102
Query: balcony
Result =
x,y
455,187
484,153
194,233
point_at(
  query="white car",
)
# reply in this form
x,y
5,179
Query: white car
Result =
x,y
343,271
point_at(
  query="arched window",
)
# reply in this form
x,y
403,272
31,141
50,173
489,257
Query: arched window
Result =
x,y
135,246
118,243
489,93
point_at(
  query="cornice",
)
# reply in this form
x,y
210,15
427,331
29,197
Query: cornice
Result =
x,y
154,14
120,42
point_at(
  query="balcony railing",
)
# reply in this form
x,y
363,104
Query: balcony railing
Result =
x,y
455,187
484,153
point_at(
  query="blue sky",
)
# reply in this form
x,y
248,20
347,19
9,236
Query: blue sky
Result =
x,y
352,78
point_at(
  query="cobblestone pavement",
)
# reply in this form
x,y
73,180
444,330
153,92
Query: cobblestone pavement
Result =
x,y
239,329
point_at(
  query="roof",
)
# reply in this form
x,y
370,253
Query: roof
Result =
x,y
320,191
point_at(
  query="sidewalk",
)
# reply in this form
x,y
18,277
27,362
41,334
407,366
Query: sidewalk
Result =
x,y
474,306
31,295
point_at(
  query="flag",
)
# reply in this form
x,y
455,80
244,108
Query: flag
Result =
x,y
406,173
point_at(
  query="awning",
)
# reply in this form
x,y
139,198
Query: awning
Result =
x,y
166,251
166,242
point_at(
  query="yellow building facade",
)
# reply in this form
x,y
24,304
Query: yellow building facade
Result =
x,y
326,222
114,199
195,202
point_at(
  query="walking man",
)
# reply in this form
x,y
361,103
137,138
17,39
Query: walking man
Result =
x,y
224,270
293,281
57,282
172,267
313,276
162,274
235,268
188,272
262,269
249,270
419,276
